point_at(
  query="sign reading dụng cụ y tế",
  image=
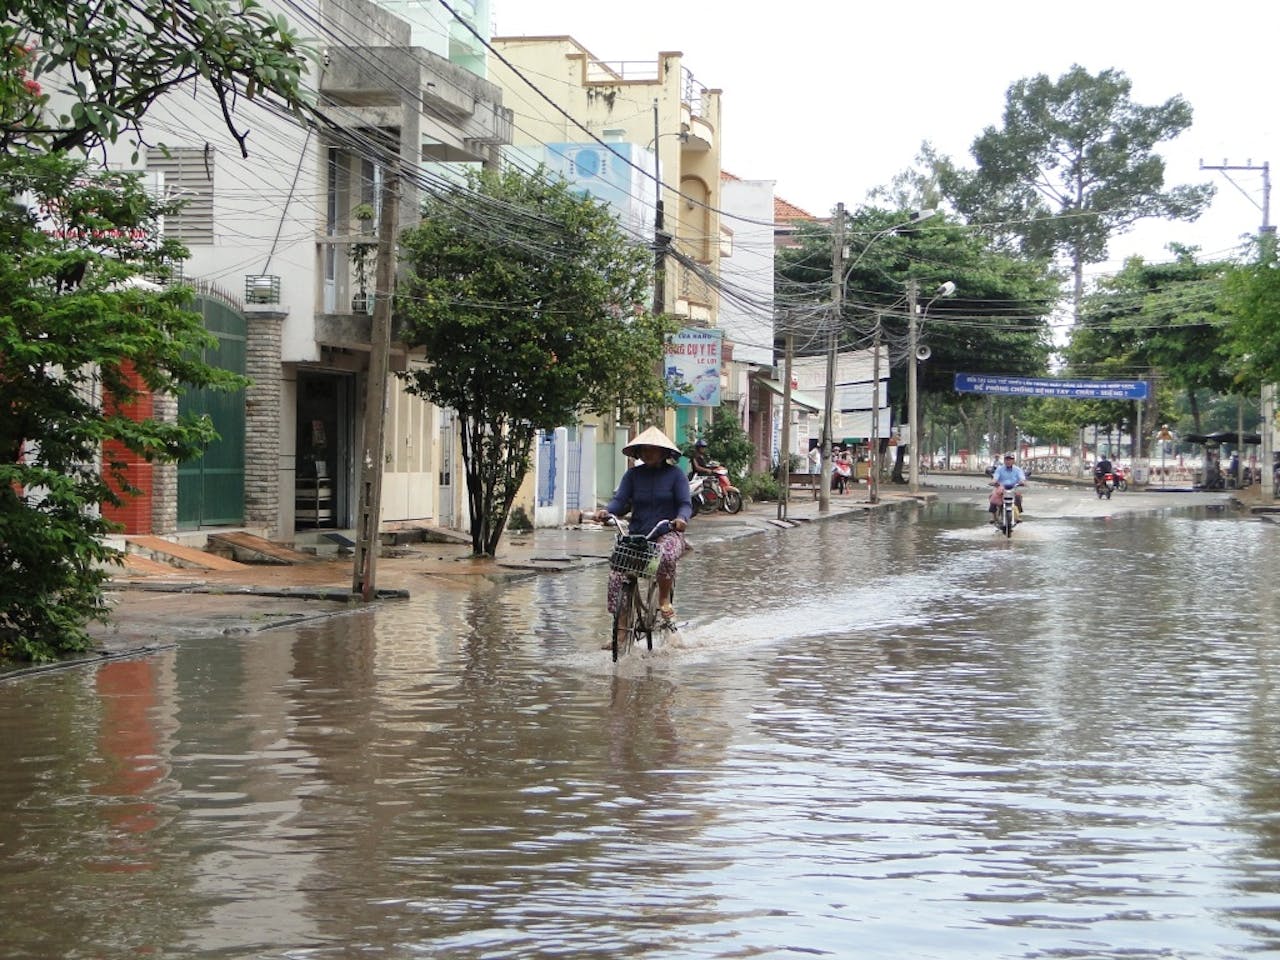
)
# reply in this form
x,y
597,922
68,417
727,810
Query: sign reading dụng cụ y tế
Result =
x,y
1050,387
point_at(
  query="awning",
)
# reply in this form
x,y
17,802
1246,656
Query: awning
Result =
x,y
798,398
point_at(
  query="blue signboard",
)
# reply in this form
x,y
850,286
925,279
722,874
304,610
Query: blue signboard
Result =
x,y
1051,387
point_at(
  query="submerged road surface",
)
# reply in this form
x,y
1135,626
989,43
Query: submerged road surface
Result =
x,y
896,736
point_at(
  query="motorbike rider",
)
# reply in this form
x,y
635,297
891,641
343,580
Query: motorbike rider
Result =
x,y
1007,475
652,491
700,463
1101,469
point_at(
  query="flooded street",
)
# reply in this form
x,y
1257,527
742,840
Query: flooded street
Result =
x,y
888,737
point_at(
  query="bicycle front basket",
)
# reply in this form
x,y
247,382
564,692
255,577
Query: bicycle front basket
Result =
x,y
635,556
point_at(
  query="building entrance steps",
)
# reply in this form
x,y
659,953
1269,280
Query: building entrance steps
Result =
x,y
248,548
177,555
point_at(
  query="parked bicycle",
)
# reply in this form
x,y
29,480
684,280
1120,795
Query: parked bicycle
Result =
x,y
638,617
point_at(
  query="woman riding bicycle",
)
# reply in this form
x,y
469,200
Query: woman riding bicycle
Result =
x,y
652,491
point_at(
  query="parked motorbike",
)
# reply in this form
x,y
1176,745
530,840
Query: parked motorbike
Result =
x,y
715,492
1121,483
1104,484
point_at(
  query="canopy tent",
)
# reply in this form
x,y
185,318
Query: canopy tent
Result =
x,y
1220,437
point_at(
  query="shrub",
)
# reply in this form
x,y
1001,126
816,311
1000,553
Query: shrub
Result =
x,y
519,521
761,486
727,443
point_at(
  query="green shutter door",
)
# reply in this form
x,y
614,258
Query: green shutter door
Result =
x,y
211,487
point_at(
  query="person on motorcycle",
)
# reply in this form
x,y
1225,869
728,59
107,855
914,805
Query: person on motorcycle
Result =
x,y
653,490
1008,475
700,463
1101,469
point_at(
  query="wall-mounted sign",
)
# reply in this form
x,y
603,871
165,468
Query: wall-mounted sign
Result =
x,y
692,367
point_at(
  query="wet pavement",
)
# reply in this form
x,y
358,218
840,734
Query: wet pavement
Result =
x,y
151,610
155,609
892,736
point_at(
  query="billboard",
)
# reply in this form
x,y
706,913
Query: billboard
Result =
x,y
691,367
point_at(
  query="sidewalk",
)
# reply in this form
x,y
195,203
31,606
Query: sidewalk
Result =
x,y
154,607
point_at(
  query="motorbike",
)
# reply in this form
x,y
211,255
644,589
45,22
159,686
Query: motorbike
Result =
x,y
715,492
1007,513
1121,483
1104,484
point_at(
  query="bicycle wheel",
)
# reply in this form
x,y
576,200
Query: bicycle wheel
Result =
x,y
624,621
646,612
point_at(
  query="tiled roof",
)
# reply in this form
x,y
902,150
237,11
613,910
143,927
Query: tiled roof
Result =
x,y
783,211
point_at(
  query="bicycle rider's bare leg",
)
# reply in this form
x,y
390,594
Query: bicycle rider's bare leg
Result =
x,y
664,590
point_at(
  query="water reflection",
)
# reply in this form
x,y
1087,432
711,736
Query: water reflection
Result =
x,y
887,737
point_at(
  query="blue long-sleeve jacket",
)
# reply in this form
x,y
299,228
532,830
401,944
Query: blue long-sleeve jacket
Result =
x,y
651,495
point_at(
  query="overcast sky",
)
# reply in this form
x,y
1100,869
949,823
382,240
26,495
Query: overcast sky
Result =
x,y
831,98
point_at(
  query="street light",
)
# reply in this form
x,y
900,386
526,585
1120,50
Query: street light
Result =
x,y
840,276
916,353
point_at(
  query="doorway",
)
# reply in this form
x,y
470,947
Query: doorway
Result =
x,y
323,464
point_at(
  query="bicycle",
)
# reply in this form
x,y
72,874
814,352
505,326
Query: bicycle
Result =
x,y
636,557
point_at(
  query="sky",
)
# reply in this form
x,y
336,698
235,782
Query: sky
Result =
x,y
832,98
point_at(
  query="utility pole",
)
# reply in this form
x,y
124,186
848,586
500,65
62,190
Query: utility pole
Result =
x,y
1266,234
873,450
660,237
913,444
369,488
833,342
784,453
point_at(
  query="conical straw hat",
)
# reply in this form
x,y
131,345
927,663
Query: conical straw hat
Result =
x,y
653,437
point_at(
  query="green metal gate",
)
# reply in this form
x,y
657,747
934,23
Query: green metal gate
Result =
x,y
211,487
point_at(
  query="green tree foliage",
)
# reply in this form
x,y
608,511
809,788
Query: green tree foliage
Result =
x,y
110,61
1252,301
1074,163
75,327
1154,319
526,328
727,443
997,322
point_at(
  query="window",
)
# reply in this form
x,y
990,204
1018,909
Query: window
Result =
x,y
187,174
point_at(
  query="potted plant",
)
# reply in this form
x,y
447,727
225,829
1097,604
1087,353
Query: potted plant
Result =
x,y
362,252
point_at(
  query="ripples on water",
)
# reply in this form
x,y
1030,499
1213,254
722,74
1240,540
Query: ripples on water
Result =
x,y
873,739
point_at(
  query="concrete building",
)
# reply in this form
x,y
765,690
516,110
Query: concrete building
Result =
x,y
607,116
282,247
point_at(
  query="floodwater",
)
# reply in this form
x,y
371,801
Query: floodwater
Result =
x,y
875,738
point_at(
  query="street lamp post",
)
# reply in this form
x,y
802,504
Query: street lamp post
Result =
x,y
946,289
839,276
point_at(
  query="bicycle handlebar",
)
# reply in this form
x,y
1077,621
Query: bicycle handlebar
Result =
x,y
661,527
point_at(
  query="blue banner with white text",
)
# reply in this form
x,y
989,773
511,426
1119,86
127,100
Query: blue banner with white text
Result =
x,y
1051,387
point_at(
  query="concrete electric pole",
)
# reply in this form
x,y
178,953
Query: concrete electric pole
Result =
x,y
833,344
369,488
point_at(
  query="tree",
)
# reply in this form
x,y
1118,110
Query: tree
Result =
x,y
1164,318
1074,164
727,442
526,325
996,323
77,333
1252,301
109,62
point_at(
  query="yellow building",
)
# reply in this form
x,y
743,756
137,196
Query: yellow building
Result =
x,y
566,101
